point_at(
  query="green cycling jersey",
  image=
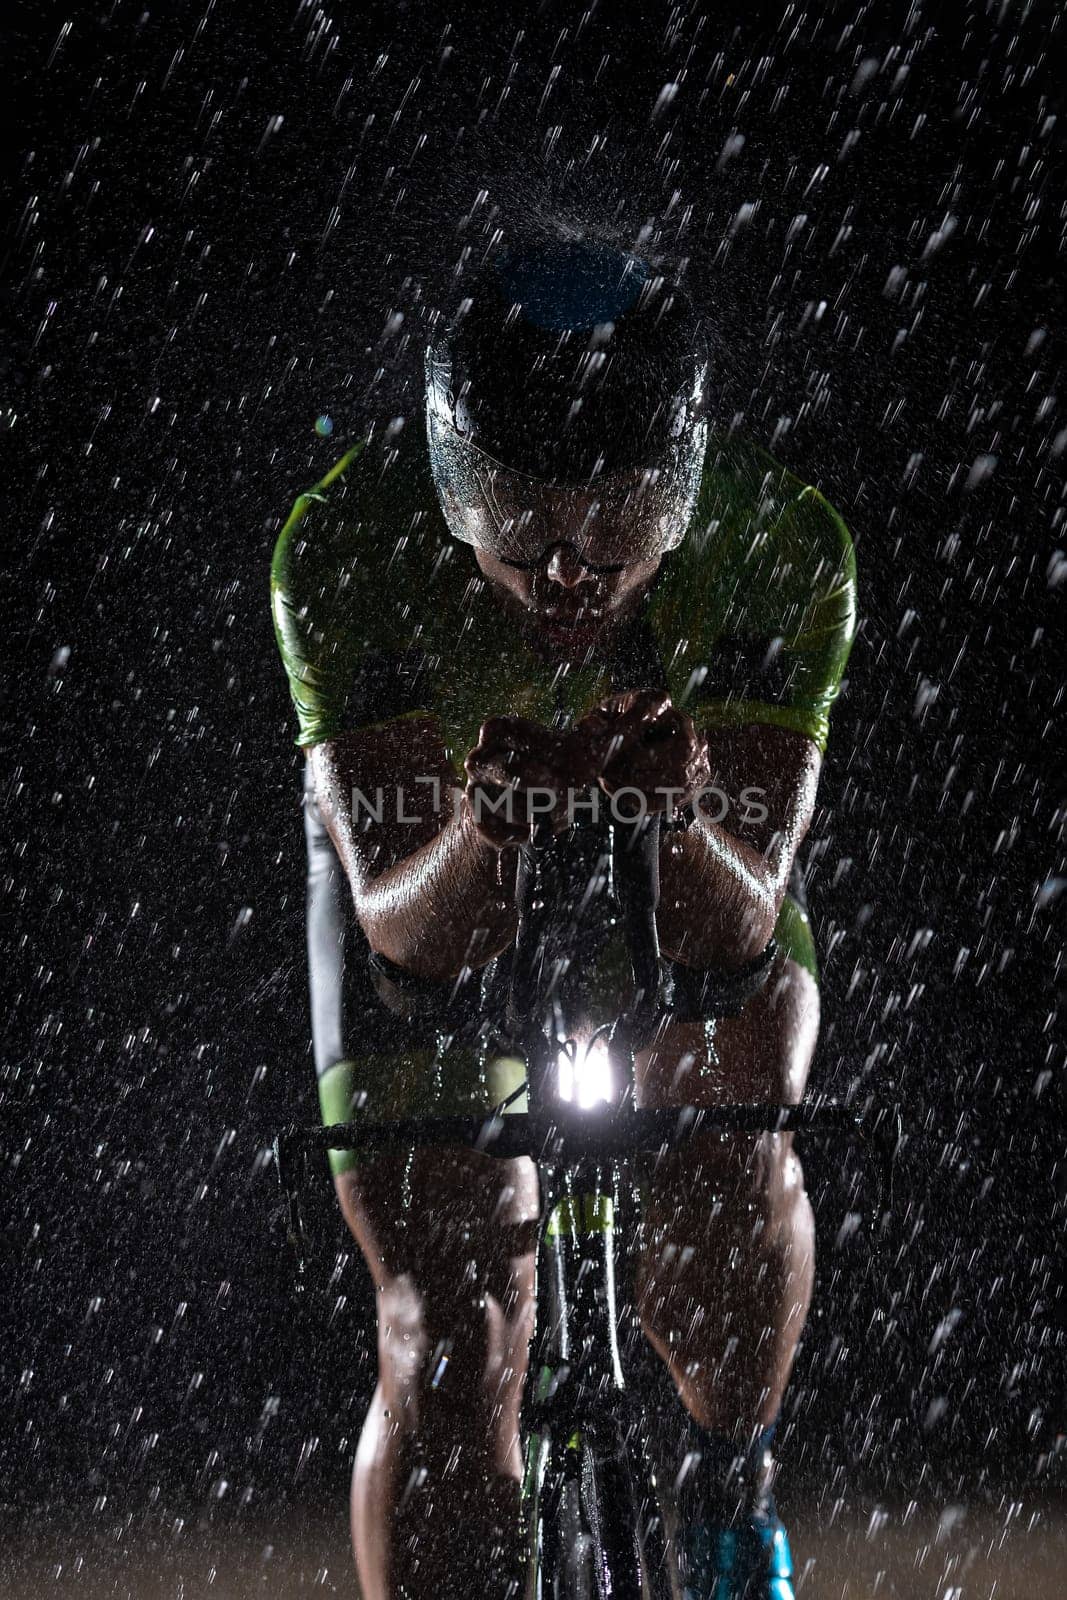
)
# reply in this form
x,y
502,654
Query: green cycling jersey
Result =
x,y
379,614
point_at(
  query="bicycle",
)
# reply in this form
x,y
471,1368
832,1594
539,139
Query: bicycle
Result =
x,y
595,1503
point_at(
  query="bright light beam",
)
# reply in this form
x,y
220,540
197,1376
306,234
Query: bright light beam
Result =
x,y
585,1078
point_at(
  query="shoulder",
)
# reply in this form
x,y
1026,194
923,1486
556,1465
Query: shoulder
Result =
x,y
360,541
368,496
746,494
297,525
756,609
760,534
367,592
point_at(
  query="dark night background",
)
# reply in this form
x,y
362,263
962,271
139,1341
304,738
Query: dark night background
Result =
x,y
217,210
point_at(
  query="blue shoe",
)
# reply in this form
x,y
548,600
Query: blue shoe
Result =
x,y
749,1562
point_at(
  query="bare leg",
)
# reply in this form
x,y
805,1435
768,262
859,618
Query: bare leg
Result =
x,y
727,1264
449,1241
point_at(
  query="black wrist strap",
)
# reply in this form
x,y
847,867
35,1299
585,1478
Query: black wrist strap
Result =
x,y
701,994
406,994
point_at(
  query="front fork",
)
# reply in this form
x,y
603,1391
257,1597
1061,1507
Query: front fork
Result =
x,y
583,1421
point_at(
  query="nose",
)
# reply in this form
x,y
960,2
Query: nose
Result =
x,y
565,567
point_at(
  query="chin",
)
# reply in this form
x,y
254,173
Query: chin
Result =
x,y
573,641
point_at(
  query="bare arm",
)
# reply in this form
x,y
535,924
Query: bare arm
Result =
x,y
431,894
722,882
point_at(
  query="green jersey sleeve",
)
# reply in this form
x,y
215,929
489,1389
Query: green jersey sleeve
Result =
x,y
818,634
765,604
338,585
794,601
313,655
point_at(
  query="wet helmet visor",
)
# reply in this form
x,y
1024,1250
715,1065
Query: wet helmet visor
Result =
x,y
611,521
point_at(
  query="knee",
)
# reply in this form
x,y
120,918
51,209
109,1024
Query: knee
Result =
x,y
403,1342
446,1360
739,1178
725,1279
765,1208
733,1209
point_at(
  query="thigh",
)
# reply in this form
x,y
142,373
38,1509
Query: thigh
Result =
x,y
762,1055
456,1224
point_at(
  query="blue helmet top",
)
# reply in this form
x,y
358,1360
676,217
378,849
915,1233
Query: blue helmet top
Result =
x,y
574,284
569,358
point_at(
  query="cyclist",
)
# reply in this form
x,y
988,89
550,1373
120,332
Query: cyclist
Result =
x,y
570,583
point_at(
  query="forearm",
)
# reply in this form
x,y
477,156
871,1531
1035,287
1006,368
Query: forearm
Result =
x,y
719,898
450,904
431,894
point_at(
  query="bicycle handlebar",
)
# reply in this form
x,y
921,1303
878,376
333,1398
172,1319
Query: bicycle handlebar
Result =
x,y
563,1135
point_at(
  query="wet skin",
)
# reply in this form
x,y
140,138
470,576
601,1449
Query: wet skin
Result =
x,y
727,1261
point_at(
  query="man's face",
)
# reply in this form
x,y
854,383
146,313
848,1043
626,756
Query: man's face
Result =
x,y
569,565
564,597
569,605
